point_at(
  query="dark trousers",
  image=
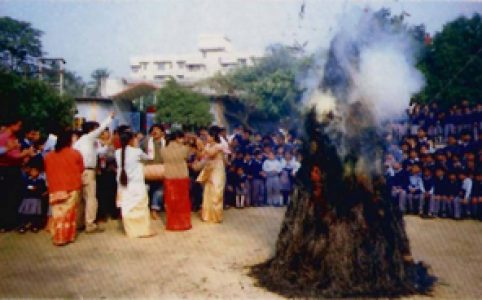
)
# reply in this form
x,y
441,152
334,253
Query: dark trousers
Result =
x,y
286,197
106,195
36,221
11,186
196,194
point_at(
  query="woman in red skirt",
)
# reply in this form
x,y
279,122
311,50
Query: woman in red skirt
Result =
x,y
177,203
64,168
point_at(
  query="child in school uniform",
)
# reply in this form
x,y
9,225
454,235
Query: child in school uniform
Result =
x,y
272,169
428,185
289,167
30,210
477,195
415,191
463,203
439,192
452,192
241,187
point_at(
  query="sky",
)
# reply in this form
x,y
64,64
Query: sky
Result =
x,y
93,34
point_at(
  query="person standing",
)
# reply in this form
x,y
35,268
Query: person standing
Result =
x,y
86,145
11,182
106,184
272,168
63,169
213,176
35,190
132,192
176,183
152,146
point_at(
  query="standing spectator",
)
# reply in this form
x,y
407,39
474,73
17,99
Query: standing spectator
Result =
x,y
428,186
241,187
289,167
131,192
272,169
439,192
415,191
230,190
249,179
64,168
477,194
35,191
462,203
258,176
453,189
10,174
152,146
86,146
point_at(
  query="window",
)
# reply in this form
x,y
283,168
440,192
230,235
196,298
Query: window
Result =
x,y
181,64
242,61
160,65
160,78
180,76
135,68
144,65
194,68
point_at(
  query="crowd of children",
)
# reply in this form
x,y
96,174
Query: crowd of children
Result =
x,y
434,160
433,167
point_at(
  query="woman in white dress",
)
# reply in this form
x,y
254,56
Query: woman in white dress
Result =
x,y
132,192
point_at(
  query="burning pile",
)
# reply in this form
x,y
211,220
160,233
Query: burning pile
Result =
x,y
341,235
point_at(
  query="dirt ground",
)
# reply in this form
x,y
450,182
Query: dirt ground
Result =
x,y
208,261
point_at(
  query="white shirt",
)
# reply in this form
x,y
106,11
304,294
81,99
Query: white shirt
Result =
x,y
467,187
272,167
50,143
293,164
135,190
86,144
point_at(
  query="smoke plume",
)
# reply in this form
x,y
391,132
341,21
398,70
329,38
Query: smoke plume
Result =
x,y
367,79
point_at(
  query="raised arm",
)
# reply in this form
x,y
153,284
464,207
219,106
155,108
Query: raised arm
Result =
x,y
96,132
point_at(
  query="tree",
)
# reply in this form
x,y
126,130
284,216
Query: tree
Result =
x,y
177,104
34,102
97,76
20,42
266,91
452,64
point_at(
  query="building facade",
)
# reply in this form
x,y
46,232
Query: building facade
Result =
x,y
215,54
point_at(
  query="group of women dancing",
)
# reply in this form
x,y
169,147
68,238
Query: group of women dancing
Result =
x,y
64,169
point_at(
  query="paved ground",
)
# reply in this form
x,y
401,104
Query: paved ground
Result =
x,y
208,261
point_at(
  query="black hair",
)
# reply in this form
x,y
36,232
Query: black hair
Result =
x,y
64,140
175,135
157,125
125,137
89,126
214,132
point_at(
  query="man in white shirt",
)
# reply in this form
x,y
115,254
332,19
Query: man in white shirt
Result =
x,y
86,145
272,168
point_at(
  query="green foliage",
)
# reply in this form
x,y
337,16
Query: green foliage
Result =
x,y
268,90
34,102
21,40
177,104
453,63
97,75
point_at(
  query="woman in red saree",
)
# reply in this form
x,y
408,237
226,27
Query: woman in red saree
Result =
x,y
63,168
177,202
